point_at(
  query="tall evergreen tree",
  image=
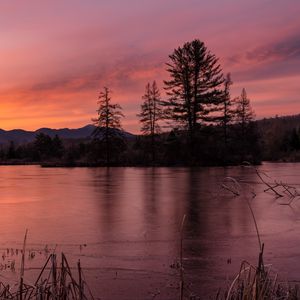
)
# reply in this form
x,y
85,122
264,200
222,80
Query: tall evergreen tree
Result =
x,y
244,112
194,89
43,146
57,147
151,113
107,121
227,108
244,117
227,113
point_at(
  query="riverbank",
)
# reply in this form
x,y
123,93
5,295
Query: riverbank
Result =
x,y
84,164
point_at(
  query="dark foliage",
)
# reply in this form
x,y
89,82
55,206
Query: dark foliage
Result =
x,y
280,138
108,119
208,127
194,88
150,115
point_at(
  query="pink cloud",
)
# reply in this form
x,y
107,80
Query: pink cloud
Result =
x,y
55,59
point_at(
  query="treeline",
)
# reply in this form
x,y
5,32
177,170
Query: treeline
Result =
x,y
198,123
43,148
206,125
280,138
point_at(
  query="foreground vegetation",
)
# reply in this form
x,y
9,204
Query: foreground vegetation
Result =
x,y
53,282
253,281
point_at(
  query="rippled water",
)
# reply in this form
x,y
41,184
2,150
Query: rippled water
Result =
x,y
124,225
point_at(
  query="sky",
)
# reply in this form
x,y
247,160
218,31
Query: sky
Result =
x,y
55,56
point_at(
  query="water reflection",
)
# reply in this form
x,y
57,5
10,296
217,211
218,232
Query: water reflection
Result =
x,y
130,218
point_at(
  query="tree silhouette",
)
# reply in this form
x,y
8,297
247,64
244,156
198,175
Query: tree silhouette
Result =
x,y
57,147
295,139
227,113
194,89
108,121
11,153
43,146
151,113
244,117
244,112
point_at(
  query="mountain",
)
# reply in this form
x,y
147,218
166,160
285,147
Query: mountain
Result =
x,y
20,136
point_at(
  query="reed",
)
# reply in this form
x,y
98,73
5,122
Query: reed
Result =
x,y
260,282
54,282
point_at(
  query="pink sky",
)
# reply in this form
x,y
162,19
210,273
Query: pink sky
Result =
x,y
56,55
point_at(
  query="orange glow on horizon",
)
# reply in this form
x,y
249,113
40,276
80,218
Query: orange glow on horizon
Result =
x,y
54,61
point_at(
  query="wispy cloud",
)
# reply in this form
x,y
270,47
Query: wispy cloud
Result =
x,y
54,59
278,51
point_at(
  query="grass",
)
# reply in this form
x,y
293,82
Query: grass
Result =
x,y
54,282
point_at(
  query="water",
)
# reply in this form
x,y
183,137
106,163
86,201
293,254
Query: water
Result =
x,y
124,225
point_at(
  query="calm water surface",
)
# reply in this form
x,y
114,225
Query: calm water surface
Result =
x,y
124,225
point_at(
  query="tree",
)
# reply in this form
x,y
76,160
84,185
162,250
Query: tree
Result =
x,y
227,113
43,145
244,113
295,140
11,153
194,89
108,121
227,109
57,147
244,117
151,113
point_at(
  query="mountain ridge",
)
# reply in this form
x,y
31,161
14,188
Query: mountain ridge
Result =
x,y
21,136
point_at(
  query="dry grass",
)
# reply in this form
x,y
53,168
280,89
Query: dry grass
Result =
x,y
260,282
53,282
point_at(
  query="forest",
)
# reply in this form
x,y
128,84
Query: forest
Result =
x,y
198,123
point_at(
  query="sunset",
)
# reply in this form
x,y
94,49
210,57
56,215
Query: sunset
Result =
x,y
150,150
56,56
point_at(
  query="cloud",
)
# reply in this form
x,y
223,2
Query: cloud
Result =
x,y
282,50
55,59
72,98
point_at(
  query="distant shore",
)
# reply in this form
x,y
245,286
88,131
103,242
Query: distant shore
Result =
x,y
62,164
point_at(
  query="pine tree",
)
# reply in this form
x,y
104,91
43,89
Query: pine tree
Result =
x,y
57,147
43,146
244,117
151,113
108,121
194,89
244,113
227,113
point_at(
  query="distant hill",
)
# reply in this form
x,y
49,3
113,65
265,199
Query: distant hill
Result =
x,y
20,136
